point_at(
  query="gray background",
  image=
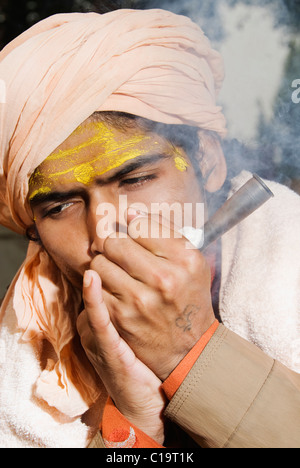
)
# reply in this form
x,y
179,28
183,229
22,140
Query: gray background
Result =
x,y
12,253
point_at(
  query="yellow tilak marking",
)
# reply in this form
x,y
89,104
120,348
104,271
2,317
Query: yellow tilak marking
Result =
x,y
105,136
40,191
83,173
181,163
95,139
85,170
63,154
110,151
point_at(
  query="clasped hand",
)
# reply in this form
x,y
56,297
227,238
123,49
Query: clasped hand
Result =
x,y
147,303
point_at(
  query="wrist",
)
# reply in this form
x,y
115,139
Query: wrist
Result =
x,y
119,432
171,365
151,424
176,378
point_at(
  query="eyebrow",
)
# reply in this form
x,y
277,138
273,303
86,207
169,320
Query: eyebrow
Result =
x,y
133,166
57,196
42,198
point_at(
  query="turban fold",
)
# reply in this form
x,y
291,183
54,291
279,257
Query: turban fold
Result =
x,y
150,63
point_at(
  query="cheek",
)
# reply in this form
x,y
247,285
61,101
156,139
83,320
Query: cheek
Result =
x,y
178,187
177,198
67,245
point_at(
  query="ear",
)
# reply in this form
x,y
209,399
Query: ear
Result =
x,y
213,165
32,234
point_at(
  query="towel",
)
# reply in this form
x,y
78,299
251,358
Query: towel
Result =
x,y
260,286
25,420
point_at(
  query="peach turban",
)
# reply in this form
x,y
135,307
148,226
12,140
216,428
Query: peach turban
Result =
x,y
150,63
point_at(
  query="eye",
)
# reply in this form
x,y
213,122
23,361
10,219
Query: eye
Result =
x,y
57,210
135,182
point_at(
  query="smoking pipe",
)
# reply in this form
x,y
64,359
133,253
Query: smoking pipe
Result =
x,y
244,202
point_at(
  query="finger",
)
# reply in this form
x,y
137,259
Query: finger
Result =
x,y
132,213
157,235
97,314
117,282
163,227
113,350
139,263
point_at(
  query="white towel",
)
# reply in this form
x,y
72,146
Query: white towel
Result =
x,y
26,422
260,287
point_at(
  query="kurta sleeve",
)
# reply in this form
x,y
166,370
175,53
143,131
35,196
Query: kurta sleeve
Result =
x,y
236,396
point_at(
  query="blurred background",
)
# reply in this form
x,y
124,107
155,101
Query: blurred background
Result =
x,y
260,43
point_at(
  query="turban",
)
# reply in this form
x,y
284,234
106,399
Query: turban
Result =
x,y
151,63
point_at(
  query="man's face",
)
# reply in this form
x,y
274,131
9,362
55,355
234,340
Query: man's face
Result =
x,y
97,164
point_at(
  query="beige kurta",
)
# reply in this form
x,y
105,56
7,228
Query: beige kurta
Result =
x,y
236,397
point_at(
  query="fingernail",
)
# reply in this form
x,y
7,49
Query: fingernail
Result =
x,y
87,279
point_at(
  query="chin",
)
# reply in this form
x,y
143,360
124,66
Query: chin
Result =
x,y
73,276
75,279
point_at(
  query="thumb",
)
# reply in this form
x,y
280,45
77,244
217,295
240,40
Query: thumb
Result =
x,y
96,310
110,345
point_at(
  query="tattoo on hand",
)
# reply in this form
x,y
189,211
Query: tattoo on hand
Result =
x,y
184,320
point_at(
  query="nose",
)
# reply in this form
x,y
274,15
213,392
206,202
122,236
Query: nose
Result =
x,y
100,225
104,218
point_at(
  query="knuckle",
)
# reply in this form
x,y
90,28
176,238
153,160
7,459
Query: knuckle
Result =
x,y
97,263
143,300
193,261
109,245
114,245
167,284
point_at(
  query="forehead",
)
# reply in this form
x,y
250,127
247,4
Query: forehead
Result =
x,y
95,141
94,149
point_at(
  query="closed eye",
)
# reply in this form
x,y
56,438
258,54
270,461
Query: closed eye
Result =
x,y
137,181
57,210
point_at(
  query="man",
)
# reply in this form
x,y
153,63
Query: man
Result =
x,y
103,117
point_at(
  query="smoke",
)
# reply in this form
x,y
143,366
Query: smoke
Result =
x,y
274,146
205,13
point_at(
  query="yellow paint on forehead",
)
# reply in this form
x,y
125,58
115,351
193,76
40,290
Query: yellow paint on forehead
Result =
x,y
114,152
84,173
110,150
181,163
41,191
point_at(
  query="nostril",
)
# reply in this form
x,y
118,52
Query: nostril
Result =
x,y
96,248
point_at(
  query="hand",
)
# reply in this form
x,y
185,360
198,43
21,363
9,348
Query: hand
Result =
x,y
157,293
133,387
